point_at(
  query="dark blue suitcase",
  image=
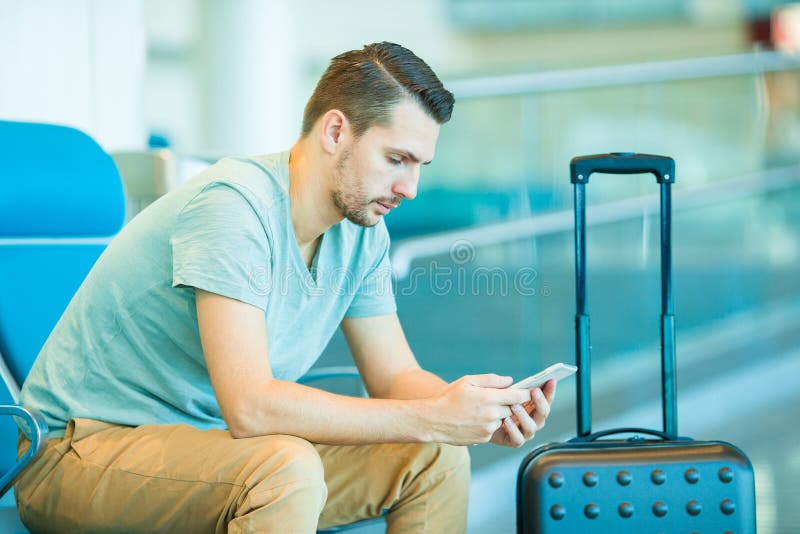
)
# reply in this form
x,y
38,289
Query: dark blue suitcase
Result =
x,y
662,483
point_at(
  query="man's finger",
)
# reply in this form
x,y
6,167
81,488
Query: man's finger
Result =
x,y
490,380
509,396
502,412
549,390
515,437
541,407
527,425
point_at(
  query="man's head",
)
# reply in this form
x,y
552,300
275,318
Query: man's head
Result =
x,y
366,84
376,113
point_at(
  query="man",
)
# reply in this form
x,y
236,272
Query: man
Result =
x,y
169,382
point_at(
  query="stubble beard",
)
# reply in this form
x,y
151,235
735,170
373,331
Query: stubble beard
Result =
x,y
351,199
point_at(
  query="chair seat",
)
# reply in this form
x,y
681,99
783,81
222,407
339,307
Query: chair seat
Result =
x,y
9,519
10,523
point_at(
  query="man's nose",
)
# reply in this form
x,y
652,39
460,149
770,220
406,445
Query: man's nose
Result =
x,y
406,186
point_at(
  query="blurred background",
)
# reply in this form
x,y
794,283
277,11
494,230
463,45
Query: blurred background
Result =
x,y
483,256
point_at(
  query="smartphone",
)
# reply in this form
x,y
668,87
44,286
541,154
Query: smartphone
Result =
x,y
556,371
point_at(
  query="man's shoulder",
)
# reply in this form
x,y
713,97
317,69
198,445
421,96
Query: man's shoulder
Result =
x,y
269,172
262,180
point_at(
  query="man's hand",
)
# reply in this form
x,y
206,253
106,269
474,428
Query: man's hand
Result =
x,y
471,409
527,418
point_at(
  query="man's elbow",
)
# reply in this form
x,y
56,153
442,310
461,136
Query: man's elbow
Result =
x,y
242,424
240,434
246,419
239,429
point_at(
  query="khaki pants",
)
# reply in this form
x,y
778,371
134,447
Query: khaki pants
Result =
x,y
175,478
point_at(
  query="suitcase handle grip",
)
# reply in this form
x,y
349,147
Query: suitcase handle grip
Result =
x,y
582,167
629,430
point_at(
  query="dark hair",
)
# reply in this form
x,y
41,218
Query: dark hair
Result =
x,y
366,84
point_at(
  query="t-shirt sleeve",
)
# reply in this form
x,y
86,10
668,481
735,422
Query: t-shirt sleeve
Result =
x,y
375,294
220,245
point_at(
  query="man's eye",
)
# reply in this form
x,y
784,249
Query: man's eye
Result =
x,y
394,161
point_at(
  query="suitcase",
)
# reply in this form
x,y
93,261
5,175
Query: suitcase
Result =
x,y
657,483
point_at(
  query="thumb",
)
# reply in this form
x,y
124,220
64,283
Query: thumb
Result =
x,y
490,380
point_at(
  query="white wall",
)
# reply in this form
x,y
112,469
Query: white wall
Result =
x,y
79,63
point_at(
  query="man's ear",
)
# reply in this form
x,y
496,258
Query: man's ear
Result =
x,y
334,131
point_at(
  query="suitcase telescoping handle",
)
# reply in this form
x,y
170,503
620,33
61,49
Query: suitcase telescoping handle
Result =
x,y
581,168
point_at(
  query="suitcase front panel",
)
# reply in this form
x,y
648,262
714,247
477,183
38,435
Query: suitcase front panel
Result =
x,y
637,487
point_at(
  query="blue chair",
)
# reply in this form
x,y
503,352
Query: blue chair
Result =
x,y
61,199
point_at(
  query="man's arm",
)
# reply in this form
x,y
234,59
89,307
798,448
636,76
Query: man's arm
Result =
x,y
253,402
390,370
385,361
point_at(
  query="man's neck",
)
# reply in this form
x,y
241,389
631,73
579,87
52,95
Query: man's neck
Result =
x,y
312,208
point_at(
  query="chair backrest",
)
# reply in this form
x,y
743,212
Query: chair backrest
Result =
x,y
61,200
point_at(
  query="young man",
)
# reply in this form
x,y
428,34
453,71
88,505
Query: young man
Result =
x,y
169,383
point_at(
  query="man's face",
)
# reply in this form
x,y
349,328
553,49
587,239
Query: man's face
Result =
x,y
382,167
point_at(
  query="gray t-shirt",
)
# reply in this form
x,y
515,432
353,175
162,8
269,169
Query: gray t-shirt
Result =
x,y
127,349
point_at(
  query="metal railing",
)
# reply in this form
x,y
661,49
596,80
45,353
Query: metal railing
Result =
x,y
408,250
634,73
755,63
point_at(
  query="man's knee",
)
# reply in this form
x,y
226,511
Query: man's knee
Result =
x,y
451,458
438,490
288,460
283,484
442,459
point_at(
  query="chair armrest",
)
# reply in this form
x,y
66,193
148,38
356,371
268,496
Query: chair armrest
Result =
x,y
341,371
330,372
357,524
38,429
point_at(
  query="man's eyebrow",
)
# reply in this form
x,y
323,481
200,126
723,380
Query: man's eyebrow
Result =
x,y
409,155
